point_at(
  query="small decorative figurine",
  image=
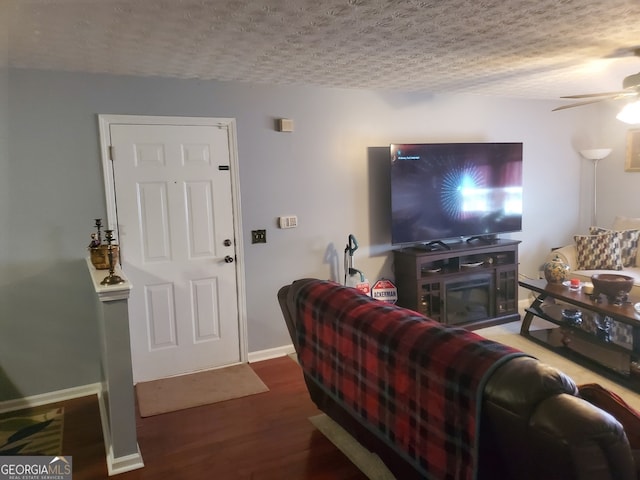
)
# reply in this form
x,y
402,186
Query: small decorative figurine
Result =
x,y
95,242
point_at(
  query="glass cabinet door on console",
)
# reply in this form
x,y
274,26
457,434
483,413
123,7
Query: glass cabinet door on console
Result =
x,y
506,291
470,285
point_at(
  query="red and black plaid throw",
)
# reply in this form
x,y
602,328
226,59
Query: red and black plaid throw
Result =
x,y
414,383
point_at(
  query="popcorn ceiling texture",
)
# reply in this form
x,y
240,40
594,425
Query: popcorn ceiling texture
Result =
x,y
523,48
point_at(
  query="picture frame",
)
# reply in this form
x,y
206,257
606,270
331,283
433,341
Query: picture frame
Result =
x,y
632,162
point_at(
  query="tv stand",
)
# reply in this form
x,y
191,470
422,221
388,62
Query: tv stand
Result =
x,y
472,285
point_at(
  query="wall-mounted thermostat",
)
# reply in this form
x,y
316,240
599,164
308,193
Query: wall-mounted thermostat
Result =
x,y
285,125
290,221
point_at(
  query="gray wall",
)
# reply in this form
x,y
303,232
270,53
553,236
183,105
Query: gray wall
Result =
x,y
618,191
331,172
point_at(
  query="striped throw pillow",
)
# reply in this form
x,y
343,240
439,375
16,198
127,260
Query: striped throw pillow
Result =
x,y
628,243
598,252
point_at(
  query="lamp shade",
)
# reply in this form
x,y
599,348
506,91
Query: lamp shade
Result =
x,y
595,153
630,113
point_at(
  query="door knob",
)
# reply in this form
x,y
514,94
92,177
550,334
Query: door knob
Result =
x,y
228,259
227,243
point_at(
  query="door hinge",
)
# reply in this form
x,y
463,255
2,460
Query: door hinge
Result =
x,y
111,153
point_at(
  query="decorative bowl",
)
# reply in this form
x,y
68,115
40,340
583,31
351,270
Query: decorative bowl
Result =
x,y
100,256
613,285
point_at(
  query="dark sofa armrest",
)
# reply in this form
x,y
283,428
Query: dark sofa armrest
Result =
x,y
286,296
578,440
521,384
510,398
283,295
541,429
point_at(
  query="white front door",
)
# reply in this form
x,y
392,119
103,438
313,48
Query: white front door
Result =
x,y
175,223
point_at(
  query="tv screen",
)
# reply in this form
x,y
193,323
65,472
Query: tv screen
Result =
x,y
442,191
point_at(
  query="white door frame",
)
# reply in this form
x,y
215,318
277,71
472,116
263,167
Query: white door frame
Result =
x,y
105,122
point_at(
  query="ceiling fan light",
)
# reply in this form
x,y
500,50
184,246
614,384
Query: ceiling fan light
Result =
x,y
630,113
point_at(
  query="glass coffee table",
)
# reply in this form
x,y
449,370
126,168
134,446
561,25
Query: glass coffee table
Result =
x,y
601,336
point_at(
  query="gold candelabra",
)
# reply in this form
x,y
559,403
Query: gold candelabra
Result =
x,y
110,279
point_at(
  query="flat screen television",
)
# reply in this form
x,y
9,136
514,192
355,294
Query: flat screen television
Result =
x,y
444,191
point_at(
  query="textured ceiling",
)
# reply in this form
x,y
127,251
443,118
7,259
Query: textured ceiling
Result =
x,y
521,48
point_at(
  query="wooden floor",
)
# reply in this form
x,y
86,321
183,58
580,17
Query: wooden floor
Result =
x,y
262,437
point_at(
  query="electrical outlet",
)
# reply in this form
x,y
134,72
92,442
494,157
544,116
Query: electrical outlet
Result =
x,y
258,236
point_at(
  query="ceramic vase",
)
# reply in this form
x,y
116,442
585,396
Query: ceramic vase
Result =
x,y
556,271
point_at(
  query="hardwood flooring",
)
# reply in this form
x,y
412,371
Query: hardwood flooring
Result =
x,y
267,436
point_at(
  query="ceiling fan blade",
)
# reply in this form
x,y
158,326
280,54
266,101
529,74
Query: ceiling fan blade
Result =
x,y
625,52
606,94
579,104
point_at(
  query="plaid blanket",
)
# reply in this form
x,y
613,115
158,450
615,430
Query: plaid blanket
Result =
x,y
414,383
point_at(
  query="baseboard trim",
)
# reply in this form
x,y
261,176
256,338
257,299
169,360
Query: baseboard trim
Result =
x,y
270,353
50,397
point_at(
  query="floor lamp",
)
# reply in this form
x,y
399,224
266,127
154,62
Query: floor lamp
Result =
x,y
595,155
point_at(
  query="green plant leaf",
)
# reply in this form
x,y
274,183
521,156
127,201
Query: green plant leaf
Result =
x,y
27,431
14,424
13,450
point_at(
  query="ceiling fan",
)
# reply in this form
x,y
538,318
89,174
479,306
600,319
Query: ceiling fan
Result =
x,y
630,87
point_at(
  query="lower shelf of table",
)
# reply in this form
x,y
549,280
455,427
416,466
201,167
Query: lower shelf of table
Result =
x,y
614,365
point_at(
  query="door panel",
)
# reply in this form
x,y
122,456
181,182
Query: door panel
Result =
x,y
154,223
160,316
174,214
204,294
199,204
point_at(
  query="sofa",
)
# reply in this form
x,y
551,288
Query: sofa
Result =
x,y
441,402
613,250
